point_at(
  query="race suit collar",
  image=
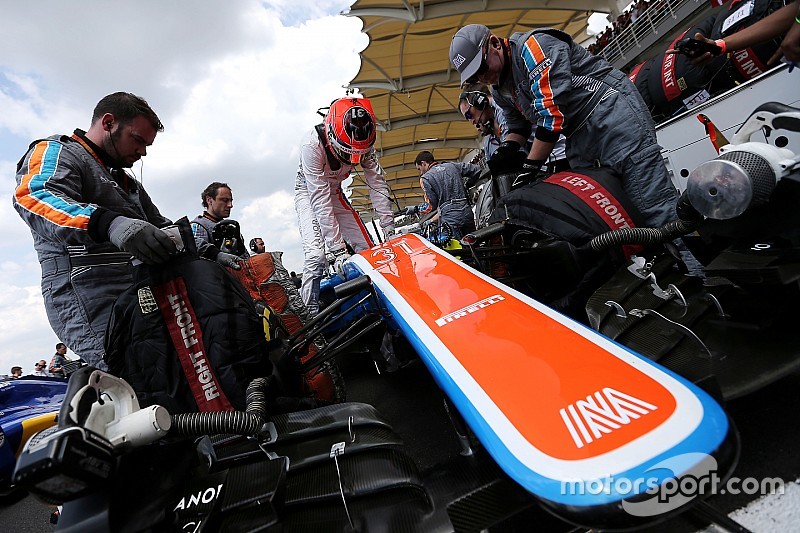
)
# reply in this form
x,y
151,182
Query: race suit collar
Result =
x,y
211,217
105,160
333,161
98,153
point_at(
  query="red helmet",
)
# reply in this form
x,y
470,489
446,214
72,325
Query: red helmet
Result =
x,y
350,128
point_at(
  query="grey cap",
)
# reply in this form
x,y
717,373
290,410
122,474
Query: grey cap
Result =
x,y
466,49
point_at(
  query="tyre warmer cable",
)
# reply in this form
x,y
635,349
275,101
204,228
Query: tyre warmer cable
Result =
x,y
688,220
248,422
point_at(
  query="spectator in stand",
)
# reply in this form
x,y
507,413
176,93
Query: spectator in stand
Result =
x,y
40,369
296,280
785,20
625,19
16,372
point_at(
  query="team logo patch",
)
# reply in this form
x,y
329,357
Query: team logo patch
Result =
x,y
147,302
458,61
539,69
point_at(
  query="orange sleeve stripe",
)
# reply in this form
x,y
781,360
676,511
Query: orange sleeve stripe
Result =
x,y
33,196
543,98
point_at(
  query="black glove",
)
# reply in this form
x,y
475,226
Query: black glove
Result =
x,y
528,174
507,159
506,151
229,260
141,239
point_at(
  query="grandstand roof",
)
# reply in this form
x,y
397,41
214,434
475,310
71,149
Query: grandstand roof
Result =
x,y
406,73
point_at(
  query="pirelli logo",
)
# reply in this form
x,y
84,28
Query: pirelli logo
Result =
x,y
539,69
464,311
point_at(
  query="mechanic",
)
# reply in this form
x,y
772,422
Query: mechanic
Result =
x,y
542,77
445,190
477,106
257,245
89,217
58,361
217,202
329,153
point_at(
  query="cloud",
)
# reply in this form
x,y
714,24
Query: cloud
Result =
x,y
273,218
24,330
236,84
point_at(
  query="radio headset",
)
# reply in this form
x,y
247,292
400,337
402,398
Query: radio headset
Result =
x,y
476,99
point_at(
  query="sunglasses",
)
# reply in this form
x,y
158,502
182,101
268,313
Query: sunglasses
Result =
x,y
469,115
39,366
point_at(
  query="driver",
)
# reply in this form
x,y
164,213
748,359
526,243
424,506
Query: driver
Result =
x,y
328,154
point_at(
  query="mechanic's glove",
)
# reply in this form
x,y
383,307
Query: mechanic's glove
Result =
x,y
528,174
339,257
229,260
141,239
506,151
409,209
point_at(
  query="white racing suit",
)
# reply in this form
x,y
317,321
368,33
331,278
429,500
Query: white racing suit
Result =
x,y
327,220
563,89
68,196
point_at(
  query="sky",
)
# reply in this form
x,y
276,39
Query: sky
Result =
x,y
235,82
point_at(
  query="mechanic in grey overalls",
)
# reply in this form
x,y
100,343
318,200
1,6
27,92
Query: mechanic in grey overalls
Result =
x,y
445,188
543,77
89,218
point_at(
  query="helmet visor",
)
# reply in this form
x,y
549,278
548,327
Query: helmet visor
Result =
x,y
358,124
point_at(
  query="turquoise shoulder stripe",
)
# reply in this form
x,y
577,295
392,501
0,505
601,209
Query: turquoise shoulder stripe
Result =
x,y
37,185
527,56
536,90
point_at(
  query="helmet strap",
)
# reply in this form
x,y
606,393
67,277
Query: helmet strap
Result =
x,y
333,160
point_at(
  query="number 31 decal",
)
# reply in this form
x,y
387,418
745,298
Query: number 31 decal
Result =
x,y
389,254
